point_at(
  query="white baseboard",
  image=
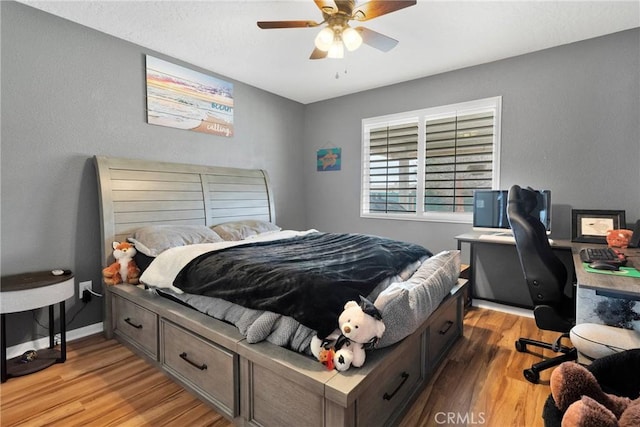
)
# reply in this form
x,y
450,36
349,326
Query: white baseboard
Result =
x,y
504,308
41,343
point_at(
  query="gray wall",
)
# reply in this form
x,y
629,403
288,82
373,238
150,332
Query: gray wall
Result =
x,y
570,123
69,93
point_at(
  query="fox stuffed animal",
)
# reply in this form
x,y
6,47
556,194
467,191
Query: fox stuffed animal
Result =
x,y
124,269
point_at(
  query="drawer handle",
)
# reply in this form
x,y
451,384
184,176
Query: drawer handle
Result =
x,y
404,376
445,328
184,356
128,320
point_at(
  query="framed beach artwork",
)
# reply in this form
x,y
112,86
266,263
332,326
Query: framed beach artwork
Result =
x,y
329,159
181,98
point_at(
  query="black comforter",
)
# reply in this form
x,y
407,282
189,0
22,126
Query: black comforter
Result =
x,y
309,278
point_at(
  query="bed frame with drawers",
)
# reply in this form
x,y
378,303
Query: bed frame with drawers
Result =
x,y
251,384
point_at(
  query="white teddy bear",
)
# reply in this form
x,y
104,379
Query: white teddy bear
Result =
x,y
360,328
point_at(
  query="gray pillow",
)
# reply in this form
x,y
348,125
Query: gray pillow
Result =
x,y
238,230
154,239
405,305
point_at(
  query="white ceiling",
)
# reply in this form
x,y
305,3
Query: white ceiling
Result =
x,y
435,36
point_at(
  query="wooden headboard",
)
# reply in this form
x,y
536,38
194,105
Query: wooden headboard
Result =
x,y
135,193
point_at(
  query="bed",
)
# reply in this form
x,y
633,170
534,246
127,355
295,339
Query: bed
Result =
x,y
260,378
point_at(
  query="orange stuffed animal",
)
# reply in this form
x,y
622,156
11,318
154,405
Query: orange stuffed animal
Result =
x,y
124,269
619,238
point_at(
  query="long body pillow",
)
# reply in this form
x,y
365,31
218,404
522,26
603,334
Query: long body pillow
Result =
x,y
405,305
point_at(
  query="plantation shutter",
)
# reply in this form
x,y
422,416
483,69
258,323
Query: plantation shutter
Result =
x,y
458,160
426,164
392,165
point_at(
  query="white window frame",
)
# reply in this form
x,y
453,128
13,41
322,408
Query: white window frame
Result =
x,y
421,116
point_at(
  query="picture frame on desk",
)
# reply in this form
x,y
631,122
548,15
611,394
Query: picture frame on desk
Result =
x,y
591,226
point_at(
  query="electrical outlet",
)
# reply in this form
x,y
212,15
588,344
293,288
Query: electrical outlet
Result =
x,y
57,339
84,285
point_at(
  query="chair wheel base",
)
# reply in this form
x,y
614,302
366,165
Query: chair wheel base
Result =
x,y
531,376
566,354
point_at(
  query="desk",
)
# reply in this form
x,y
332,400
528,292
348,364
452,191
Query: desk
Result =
x,y
27,291
495,273
604,298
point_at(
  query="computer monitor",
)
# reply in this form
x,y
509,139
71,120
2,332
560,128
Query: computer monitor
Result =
x,y
490,210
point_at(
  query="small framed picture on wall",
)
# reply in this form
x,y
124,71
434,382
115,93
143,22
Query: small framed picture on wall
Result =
x,y
329,159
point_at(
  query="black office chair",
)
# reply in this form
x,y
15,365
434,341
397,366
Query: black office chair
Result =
x,y
546,277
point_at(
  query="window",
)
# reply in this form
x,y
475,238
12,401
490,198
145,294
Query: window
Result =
x,y
426,164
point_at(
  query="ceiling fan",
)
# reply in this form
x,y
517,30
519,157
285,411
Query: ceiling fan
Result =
x,y
338,34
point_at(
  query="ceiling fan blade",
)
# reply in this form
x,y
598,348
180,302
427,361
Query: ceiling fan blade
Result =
x,y
376,8
266,25
377,40
318,54
327,6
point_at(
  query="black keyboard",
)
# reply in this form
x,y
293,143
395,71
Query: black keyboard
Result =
x,y
607,255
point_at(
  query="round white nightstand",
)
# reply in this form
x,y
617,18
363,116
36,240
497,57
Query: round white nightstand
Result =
x,y
22,292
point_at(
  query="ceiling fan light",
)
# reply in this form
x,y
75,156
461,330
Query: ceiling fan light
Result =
x,y
324,39
351,38
336,50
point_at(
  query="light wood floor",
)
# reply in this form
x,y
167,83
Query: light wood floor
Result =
x,y
104,384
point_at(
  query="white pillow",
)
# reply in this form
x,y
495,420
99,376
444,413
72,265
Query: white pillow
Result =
x,y
155,239
239,230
